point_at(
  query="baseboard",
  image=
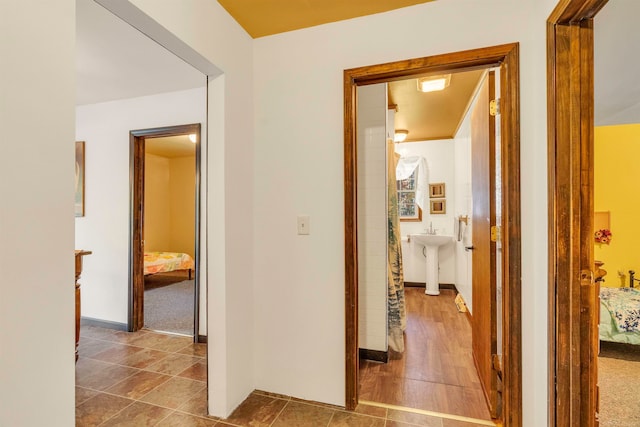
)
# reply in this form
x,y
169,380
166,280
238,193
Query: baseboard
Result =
x,y
375,355
89,321
422,285
202,339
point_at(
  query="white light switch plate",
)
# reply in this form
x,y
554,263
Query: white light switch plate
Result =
x,y
303,224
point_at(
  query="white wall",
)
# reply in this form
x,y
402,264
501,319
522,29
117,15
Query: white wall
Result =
x,y
440,159
208,29
299,162
104,229
37,41
373,224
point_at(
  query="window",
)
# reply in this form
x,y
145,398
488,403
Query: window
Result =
x,y
408,209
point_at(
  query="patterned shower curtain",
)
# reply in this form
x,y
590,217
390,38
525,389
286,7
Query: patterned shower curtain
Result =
x,y
395,279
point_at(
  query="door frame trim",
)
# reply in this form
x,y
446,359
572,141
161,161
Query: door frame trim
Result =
x,y
570,197
507,56
137,139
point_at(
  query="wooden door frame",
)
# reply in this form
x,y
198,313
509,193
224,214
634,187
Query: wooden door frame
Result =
x,y
572,401
137,140
507,56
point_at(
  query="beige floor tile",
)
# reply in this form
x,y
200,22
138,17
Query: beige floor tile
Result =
x,y
138,415
137,385
83,394
174,393
197,371
99,408
197,405
303,415
351,419
195,349
173,364
256,411
106,377
178,419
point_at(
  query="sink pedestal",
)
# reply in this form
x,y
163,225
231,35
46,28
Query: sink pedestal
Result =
x,y
433,283
432,243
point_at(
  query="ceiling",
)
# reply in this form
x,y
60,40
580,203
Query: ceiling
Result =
x,y
170,146
115,61
267,17
432,115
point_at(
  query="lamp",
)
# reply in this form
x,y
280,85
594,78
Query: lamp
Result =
x,y
434,83
400,135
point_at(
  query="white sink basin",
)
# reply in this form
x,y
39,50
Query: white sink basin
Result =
x,y
432,243
432,239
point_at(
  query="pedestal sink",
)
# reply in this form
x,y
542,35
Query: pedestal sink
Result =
x,y
432,243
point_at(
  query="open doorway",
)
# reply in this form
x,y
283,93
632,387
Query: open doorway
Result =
x,y
506,58
165,174
588,348
440,179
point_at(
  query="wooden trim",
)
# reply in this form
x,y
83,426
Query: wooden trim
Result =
x,y
136,226
375,355
572,362
202,339
507,57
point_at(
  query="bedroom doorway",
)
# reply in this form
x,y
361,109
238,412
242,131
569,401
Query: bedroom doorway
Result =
x,y
164,230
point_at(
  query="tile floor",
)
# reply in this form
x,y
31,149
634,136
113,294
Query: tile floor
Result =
x,y
151,379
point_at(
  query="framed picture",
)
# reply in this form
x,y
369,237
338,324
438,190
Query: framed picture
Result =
x,y
408,209
438,206
436,190
79,178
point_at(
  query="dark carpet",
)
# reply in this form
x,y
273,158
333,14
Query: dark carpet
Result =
x,y
169,307
619,379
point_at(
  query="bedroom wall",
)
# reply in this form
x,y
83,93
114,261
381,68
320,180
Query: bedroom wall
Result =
x,y
37,87
105,227
182,202
169,216
617,150
299,162
157,210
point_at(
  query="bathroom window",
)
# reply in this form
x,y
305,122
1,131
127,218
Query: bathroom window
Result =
x,y
408,209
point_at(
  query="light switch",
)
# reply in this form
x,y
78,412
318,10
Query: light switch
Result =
x,y
303,224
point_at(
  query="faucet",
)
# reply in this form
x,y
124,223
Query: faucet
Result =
x,y
431,230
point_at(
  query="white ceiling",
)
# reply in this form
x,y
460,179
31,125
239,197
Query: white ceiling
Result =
x,y
116,61
617,66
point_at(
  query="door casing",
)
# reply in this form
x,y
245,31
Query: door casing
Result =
x,y
507,57
136,220
572,379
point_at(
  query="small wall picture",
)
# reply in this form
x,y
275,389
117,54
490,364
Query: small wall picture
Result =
x,y
79,178
436,190
438,206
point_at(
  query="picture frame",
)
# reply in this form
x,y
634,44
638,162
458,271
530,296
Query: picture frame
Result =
x,y
436,190
79,180
438,206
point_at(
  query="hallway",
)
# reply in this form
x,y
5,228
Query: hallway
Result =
x,y
436,373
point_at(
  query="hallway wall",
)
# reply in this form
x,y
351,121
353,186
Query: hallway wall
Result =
x,y
299,149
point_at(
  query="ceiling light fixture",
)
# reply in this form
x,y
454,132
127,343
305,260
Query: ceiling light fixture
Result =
x,y
400,135
192,137
433,83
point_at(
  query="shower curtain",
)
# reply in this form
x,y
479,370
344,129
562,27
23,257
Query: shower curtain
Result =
x,y
396,311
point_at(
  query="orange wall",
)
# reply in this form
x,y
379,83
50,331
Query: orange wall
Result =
x,y
169,217
617,179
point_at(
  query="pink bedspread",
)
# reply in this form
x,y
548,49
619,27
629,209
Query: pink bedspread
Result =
x,y
160,262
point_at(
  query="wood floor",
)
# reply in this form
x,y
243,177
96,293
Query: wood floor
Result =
x,y
436,372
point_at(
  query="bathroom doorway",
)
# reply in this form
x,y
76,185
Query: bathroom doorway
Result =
x,y
479,59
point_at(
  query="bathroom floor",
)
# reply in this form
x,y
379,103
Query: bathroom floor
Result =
x,y
436,372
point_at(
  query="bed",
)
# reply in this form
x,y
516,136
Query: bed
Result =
x,y
162,262
620,315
